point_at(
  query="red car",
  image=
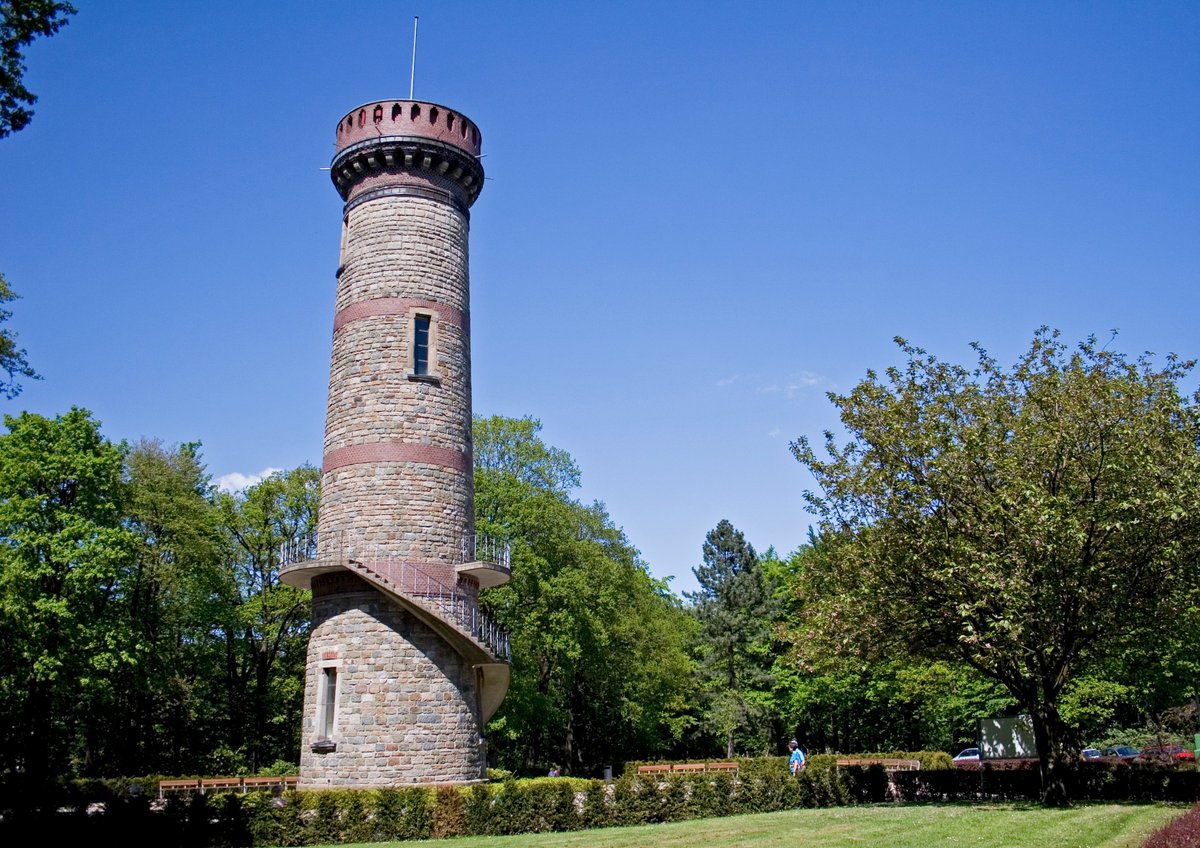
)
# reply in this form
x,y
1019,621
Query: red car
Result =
x,y
1169,753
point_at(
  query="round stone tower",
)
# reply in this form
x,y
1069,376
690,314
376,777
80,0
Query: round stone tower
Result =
x,y
403,668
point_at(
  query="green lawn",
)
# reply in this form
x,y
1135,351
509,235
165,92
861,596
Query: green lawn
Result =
x,y
917,826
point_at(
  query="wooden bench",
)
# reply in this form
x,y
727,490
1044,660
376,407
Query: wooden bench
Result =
x,y
219,784
687,767
654,769
227,784
249,784
165,786
888,764
729,767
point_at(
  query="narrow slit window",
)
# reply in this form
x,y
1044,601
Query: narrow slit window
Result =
x,y
421,345
328,702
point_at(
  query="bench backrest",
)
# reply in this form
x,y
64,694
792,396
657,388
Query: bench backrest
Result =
x,y
165,786
892,764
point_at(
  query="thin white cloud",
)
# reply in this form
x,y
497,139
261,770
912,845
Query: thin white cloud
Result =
x,y
774,432
725,381
236,481
796,382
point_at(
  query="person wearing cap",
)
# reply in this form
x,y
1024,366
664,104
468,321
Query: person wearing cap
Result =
x,y
796,761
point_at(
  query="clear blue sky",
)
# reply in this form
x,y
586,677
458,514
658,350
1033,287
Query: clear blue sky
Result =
x,y
699,218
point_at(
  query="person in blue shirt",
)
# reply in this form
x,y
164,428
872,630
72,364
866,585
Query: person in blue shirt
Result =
x,y
796,761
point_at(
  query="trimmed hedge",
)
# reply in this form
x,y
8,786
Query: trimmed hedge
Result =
x,y
544,805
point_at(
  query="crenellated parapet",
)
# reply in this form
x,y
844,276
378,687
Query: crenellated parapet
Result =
x,y
407,147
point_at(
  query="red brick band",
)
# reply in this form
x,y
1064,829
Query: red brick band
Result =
x,y
390,306
376,452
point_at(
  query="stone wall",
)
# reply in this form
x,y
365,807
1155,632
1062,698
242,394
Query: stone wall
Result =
x,y
407,703
398,449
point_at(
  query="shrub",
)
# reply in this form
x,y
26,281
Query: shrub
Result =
x,y
556,804
1184,832
401,814
449,812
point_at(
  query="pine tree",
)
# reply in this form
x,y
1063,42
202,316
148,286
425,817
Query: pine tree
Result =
x,y
736,612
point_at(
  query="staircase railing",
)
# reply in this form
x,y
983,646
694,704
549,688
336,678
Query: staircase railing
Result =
x,y
409,579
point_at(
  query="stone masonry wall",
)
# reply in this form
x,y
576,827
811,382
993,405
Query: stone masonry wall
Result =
x,y
424,526
397,449
407,704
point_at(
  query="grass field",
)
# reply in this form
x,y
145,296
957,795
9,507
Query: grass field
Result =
x,y
916,826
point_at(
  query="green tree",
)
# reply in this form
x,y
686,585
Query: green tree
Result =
x,y
12,358
851,704
63,570
736,611
163,720
599,661
264,625
993,515
21,21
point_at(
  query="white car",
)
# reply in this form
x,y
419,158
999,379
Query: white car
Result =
x,y
967,755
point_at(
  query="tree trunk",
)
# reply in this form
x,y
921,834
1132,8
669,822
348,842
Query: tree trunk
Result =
x,y
1050,734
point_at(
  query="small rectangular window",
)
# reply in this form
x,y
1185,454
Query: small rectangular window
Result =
x,y
421,345
328,702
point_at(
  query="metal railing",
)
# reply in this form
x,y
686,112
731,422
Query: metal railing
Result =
x,y
410,580
481,547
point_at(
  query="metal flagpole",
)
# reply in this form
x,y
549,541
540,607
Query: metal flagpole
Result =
x,y
413,74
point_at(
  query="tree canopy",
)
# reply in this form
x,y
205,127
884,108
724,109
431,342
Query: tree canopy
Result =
x,y
21,21
63,569
12,358
736,611
600,665
1026,521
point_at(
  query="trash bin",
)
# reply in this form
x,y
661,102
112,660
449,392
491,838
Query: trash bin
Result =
x,y
608,772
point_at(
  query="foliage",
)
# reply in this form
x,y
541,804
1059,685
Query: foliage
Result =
x,y
12,358
160,717
849,703
992,516
736,611
561,805
260,820
1184,832
263,624
600,668
21,21
64,578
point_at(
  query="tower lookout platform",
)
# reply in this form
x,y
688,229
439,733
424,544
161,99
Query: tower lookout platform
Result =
x,y
403,668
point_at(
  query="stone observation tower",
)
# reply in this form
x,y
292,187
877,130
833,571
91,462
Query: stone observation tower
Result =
x,y
403,668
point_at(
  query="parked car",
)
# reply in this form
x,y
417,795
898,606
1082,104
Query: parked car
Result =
x,y
1169,753
1124,752
1091,753
967,755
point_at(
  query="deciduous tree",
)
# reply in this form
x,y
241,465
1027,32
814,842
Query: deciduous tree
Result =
x,y
21,21
994,514
12,358
64,566
164,718
600,668
265,624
